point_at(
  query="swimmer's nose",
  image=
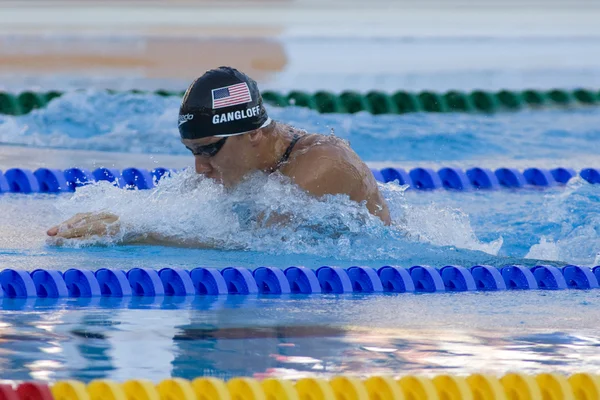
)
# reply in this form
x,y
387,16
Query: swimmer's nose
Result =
x,y
202,165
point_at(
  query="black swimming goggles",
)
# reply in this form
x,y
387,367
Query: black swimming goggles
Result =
x,y
209,150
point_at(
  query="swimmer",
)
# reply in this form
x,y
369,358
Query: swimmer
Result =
x,y
223,123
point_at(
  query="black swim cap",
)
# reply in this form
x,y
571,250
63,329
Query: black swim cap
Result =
x,y
222,102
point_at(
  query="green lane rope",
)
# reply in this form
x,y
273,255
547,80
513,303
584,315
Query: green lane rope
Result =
x,y
374,102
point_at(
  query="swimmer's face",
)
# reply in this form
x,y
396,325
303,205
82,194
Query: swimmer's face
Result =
x,y
221,159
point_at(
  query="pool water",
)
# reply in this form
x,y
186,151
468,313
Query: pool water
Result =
x,y
316,335
529,331
443,227
292,337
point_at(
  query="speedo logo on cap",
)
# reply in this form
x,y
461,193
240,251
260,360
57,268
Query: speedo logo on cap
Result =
x,y
235,115
185,118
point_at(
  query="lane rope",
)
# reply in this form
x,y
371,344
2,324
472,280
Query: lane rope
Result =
x,y
206,281
374,102
46,180
418,387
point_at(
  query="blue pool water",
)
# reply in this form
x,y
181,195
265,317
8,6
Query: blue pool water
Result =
x,y
553,225
325,335
316,335
137,123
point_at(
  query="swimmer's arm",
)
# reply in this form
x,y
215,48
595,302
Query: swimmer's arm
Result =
x,y
153,238
85,226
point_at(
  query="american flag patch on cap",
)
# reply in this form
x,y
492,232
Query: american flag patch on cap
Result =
x,y
231,95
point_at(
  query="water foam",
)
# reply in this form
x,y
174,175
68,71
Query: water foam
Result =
x,y
574,215
546,249
195,211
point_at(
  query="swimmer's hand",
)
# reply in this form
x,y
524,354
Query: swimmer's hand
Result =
x,y
86,225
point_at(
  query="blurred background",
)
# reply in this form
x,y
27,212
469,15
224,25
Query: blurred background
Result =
x,y
301,44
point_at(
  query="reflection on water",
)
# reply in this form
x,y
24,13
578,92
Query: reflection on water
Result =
x,y
295,336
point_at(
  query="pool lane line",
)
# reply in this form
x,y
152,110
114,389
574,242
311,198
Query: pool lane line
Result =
x,y
206,282
48,180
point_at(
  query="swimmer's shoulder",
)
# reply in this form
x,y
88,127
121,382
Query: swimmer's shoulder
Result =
x,y
327,165
316,149
324,164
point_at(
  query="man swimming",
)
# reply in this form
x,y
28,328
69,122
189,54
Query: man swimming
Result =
x,y
223,122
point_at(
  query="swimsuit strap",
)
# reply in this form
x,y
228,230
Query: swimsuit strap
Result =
x,y
287,153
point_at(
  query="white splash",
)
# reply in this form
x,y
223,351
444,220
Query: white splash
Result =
x,y
575,211
436,224
545,250
445,226
191,209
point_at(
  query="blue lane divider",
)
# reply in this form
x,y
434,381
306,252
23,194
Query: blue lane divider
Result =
x,y
138,178
457,279
17,284
579,277
395,279
51,180
510,177
4,186
427,279
303,280
208,281
488,278
271,281
113,283
596,271
158,173
145,282
239,281
539,177
334,280
483,178
396,174
22,181
49,283
518,277
43,180
591,175
175,282
562,175
109,175
76,177
549,277
364,280
425,179
81,283
454,178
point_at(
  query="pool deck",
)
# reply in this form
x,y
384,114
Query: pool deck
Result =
x,y
303,17
163,44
